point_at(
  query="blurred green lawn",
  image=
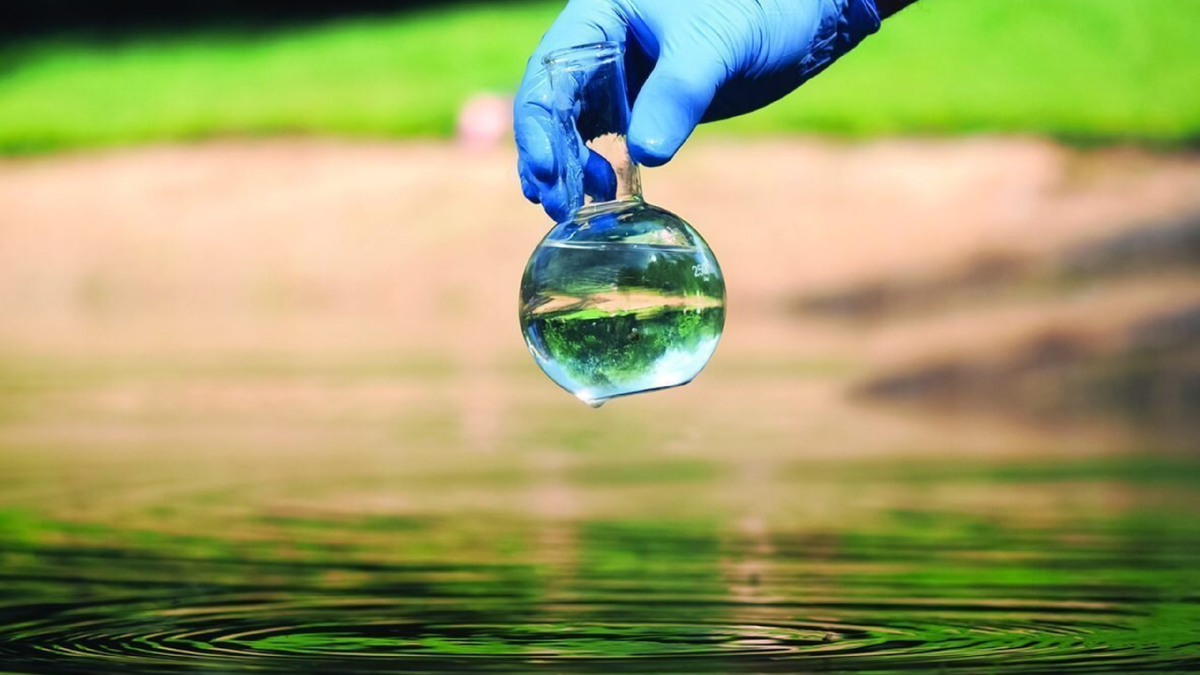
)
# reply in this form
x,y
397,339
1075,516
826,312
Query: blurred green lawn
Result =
x,y
1083,70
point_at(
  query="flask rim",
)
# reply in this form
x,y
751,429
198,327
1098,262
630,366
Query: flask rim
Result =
x,y
585,55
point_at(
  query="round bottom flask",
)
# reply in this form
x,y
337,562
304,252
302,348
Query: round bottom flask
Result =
x,y
623,297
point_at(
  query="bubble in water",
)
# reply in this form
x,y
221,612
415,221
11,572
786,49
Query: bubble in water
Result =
x,y
622,301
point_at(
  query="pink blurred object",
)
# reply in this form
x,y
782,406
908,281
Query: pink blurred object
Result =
x,y
484,121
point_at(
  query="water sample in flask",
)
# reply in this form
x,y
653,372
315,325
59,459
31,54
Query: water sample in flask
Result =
x,y
622,297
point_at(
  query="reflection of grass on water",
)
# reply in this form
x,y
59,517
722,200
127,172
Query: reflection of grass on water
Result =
x,y
992,582
1177,471
1122,70
573,639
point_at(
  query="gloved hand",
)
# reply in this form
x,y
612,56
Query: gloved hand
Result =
x,y
687,61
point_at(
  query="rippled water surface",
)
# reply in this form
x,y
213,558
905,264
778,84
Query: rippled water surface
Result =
x,y
306,535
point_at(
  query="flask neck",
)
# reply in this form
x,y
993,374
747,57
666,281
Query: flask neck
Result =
x,y
591,111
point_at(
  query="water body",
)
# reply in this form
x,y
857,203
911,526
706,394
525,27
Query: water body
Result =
x,y
161,520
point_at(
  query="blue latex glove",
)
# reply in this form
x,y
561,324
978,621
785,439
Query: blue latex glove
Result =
x,y
687,61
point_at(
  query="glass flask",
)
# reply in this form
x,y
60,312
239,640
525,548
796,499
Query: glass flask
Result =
x,y
621,297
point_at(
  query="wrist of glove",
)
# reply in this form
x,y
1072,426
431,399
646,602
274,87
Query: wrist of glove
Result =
x,y
795,40
857,20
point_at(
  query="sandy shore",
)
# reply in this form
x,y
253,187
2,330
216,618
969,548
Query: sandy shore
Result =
x,y
320,251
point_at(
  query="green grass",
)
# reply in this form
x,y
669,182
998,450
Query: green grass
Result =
x,y
1087,70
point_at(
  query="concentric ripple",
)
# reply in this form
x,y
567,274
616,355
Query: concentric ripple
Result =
x,y
282,634
187,589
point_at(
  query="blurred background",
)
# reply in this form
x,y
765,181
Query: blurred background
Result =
x,y
263,394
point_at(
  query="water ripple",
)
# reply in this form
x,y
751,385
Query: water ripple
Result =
x,y
348,635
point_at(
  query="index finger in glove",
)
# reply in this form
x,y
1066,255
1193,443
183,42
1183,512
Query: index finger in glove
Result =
x,y
582,22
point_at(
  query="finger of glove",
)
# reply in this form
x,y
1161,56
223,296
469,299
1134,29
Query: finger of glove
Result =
x,y
599,179
528,186
535,150
556,201
581,22
671,103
